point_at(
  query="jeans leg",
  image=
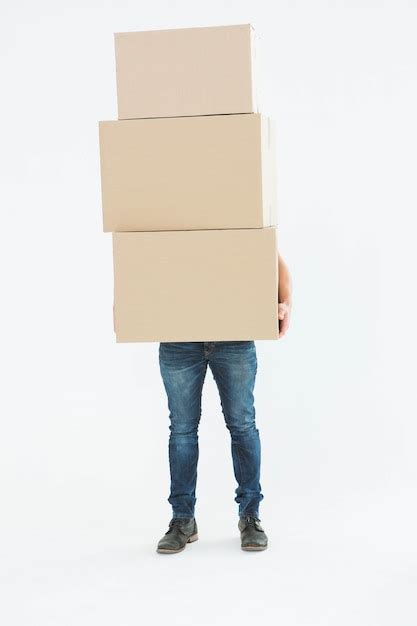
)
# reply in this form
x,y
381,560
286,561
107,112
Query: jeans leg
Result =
x,y
234,366
183,369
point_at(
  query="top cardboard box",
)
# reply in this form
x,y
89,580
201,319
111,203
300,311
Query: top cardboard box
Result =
x,y
186,72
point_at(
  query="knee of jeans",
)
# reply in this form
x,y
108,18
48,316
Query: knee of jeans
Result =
x,y
183,428
239,426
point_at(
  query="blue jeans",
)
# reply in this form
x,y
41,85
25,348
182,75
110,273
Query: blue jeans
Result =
x,y
183,367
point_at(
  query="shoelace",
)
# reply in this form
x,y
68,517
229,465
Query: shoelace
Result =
x,y
175,522
252,521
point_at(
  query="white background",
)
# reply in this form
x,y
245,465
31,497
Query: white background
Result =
x,y
84,421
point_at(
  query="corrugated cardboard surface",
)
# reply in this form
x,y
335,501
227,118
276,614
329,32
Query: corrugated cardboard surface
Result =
x,y
185,71
206,285
186,173
269,175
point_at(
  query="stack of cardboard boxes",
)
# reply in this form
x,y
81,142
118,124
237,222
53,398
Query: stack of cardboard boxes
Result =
x,y
188,189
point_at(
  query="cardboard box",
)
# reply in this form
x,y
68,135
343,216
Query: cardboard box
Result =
x,y
186,71
186,173
205,285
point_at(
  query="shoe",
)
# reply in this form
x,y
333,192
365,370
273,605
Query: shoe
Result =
x,y
180,532
252,534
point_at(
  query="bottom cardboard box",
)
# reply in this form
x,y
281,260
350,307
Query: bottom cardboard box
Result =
x,y
196,285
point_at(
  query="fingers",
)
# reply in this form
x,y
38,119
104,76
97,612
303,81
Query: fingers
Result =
x,y
282,310
284,318
283,327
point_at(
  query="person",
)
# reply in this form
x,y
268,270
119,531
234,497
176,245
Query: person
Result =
x,y
183,367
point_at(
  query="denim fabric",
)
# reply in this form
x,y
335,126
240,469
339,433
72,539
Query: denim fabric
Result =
x,y
183,366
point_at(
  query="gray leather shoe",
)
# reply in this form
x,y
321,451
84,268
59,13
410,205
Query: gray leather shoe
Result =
x,y
180,532
252,535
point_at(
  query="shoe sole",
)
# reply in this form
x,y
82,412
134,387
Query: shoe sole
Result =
x,y
168,551
254,547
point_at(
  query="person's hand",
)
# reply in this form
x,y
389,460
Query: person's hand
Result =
x,y
284,314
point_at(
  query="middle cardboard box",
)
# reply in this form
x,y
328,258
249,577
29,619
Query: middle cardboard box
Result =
x,y
188,173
